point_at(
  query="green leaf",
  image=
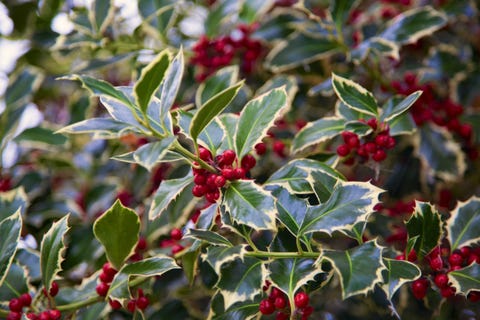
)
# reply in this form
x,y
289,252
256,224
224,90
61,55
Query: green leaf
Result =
x,y
316,132
100,88
211,137
358,127
440,154
379,46
167,192
403,124
52,249
78,293
152,153
249,204
190,265
21,88
466,279
216,83
10,229
121,111
398,273
117,230
241,280
170,84
14,284
102,12
340,11
280,80
253,10
217,256
289,275
394,108
354,96
213,107
238,311
150,79
29,259
426,223
350,203
464,223
11,201
41,137
210,237
101,127
299,49
257,117
359,268
229,123
414,24
291,210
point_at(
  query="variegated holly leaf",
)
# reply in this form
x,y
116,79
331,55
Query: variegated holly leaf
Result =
x,y
316,132
30,260
102,128
340,11
299,49
397,106
359,127
291,209
151,153
118,231
168,90
440,154
167,192
355,96
257,117
122,111
52,250
15,283
11,201
207,217
359,268
79,293
216,256
466,279
238,311
280,80
426,224
241,280
402,124
150,78
397,273
249,204
414,24
211,237
463,226
349,204
212,108
211,137
10,230
154,266
377,45
229,122
219,81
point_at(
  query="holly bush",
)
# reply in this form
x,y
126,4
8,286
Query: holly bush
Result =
x,y
241,159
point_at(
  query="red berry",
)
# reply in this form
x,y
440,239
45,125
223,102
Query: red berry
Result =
x,y
220,181
32,316
199,179
412,256
176,248
465,252
54,314
279,148
131,305
240,173
213,196
228,157
176,234
474,296
141,244
473,258
275,293
45,315
102,289
390,143
436,263
53,289
282,316
419,288
447,292
260,148
26,299
347,135
248,162
343,150
373,123
455,259
379,155
14,315
204,154
370,147
465,130
199,190
280,302
229,174
266,307
105,277
307,311
142,303
15,305
441,280
114,304
381,140
353,142
301,299
107,268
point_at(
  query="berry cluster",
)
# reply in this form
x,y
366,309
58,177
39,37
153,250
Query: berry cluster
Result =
x,y
16,306
374,145
440,262
141,302
278,301
105,277
208,184
212,54
173,242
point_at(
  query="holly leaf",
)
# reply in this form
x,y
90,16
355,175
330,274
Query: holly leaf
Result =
x,y
397,273
211,137
168,90
350,203
463,226
11,201
117,230
15,282
249,204
152,153
426,224
213,107
396,107
379,46
166,193
355,96
257,117
121,111
411,25
210,237
102,128
10,230
52,250
466,279
219,81
316,132
217,256
150,78
340,11
238,311
359,268
291,209
241,280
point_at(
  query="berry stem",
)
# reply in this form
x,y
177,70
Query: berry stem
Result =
x,y
79,304
281,255
186,153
